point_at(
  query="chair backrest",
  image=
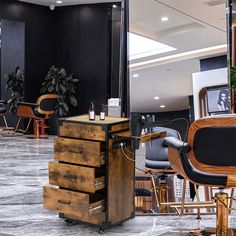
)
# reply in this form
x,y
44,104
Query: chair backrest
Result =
x,y
156,150
213,143
46,104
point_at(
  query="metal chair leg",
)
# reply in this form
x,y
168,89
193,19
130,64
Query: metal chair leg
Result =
x,y
18,123
155,191
36,127
231,200
183,197
28,125
221,213
5,121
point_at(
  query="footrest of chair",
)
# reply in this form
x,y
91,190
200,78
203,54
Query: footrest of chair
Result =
x,y
142,192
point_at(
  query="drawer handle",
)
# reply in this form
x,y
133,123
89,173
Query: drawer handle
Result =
x,y
102,157
95,209
70,177
64,202
98,183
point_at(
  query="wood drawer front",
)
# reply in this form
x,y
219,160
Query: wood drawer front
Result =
x,y
80,205
75,177
79,152
82,131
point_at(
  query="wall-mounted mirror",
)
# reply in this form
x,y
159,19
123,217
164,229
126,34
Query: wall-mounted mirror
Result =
x,y
176,49
169,40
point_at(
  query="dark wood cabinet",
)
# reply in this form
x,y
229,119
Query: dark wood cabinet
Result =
x,y
92,181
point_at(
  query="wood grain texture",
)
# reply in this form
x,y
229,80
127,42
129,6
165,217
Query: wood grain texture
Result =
x,y
85,120
69,202
79,152
25,111
82,131
120,185
175,161
75,177
209,122
82,142
149,137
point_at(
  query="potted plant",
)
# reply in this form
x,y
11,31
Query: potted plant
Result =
x,y
57,81
15,84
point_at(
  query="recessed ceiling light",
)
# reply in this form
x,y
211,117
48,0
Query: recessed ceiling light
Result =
x,y
162,106
156,98
164,18
135,75
114,6
59,2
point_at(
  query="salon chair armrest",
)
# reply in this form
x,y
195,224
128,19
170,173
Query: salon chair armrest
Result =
x,y
3,101
177,144
33,105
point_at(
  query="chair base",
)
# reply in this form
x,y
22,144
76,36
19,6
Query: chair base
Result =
x,y
211,231
199,232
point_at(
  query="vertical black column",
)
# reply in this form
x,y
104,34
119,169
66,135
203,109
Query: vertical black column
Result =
x,y
124,73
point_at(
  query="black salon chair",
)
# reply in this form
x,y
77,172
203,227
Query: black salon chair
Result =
x,y
209,159
3,111
159,167
43,109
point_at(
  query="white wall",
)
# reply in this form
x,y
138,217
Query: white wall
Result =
x,y
207,79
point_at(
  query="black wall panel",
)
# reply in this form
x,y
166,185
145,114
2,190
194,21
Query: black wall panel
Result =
x,y
77,38
213,63
12,55
81,44
37,41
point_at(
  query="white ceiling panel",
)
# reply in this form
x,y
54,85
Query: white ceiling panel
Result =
x,y
191,26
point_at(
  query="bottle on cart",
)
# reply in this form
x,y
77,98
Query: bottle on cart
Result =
x,y
102,113
91,111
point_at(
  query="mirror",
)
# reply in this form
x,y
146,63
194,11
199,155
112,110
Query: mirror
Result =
x,y
176,48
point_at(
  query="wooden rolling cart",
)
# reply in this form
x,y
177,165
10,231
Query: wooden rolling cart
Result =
x,y
95,183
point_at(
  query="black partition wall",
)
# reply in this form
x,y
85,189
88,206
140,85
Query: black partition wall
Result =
x,y
79,38
82,43
12,55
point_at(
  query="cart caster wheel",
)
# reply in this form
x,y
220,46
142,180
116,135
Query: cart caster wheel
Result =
x,y
121,223
70,222
101,230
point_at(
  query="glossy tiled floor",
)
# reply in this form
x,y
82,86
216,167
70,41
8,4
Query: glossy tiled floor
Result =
x,y
23,172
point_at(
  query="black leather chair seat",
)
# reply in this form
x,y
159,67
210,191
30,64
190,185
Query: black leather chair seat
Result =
x,y
142,192
2,109
157,164
38,115
192,173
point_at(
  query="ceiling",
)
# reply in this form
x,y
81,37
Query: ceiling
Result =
x,y
192,25
65,2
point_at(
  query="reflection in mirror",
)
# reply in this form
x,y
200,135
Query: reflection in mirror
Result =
x,y
177,48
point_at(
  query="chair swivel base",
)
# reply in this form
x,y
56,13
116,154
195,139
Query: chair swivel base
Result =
x,y
212,231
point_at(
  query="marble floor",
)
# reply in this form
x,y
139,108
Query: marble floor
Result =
x,y
23,172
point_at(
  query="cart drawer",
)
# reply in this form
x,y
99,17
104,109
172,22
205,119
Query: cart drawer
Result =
x,y
82,131
79,152
76,177
80,205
